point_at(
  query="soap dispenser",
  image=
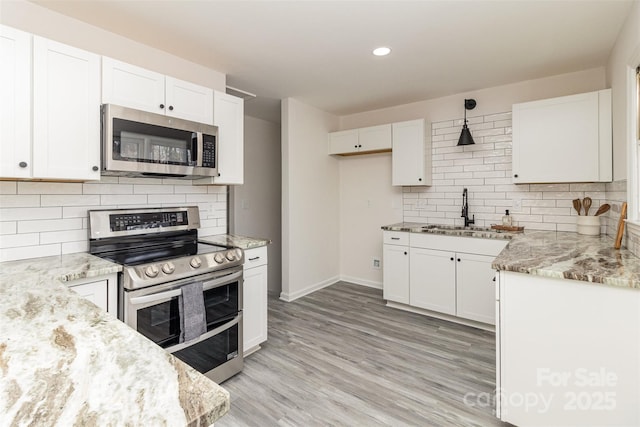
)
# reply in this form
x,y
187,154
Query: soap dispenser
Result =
x,y
507,219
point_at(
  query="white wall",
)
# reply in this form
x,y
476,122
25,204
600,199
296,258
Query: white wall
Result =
x,y
50,218
256,205
41,21
367,201
310,201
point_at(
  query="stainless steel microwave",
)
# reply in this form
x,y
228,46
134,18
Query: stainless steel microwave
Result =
x,y
142,144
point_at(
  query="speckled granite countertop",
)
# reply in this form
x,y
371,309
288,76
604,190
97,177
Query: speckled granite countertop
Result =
x,y
479,232
235,241
559,255
64,361
564,255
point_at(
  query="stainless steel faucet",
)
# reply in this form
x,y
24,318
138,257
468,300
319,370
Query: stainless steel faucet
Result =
x,y
465,209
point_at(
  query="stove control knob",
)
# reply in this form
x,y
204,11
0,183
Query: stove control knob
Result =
x,y
196,262
169,268
231,256
239,253
218,258
151,271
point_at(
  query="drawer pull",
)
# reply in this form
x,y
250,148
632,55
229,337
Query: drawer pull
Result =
x,y
395,238
254,258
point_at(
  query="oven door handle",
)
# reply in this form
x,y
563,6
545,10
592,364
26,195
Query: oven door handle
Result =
x,y
206,335
209,284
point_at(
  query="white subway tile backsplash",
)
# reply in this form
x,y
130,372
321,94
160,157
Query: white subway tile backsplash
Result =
x,y
15,214
70,200
63,236
50,225
19,201
8,187
51,218
49,187
11,254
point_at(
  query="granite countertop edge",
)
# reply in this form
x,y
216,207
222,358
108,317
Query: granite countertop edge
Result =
x,y
53,336
236,241
552,254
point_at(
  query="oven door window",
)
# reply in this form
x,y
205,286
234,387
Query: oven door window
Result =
x,y
140,142
160,322
212,352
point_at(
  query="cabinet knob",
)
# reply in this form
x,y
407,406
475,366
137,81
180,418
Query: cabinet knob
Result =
x,y
162,106
458,259
170,107
355,146
515,176
419,179
22,164
95,168
359,145
405,252
451,258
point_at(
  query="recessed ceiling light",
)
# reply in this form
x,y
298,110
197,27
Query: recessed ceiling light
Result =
x,y
381,51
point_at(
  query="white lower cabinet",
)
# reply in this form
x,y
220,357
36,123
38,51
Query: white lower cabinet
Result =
x,y
102,291
448,275
254,297
567,352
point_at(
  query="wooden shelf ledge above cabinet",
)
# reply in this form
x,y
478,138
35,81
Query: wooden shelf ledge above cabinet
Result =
x,y
373,139
565,139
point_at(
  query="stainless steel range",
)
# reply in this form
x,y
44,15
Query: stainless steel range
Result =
x,y
183,294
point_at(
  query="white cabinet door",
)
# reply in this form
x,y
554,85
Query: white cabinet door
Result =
x,y
476,297
374,138
395,273
254,330
15,103
130,86
411,154
96,292
432,280
188,101
228,115
345,141
565,139
66,112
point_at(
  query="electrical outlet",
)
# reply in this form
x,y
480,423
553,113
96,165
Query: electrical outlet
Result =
x,y
517,205
376,263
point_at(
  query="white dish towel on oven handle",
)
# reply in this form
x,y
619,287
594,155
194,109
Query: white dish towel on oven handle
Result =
x,y
193,320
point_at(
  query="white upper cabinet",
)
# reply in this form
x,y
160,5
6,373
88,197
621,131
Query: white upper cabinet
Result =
x,y
15,103
135,87
566,139
66,112
228,115
373,139
411,154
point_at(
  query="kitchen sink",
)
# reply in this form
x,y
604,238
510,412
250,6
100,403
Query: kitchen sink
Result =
x,y
469,229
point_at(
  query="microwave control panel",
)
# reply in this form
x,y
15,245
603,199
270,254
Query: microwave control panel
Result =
x,y
208,151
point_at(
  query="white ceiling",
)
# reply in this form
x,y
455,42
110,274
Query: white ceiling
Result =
x,y
320,51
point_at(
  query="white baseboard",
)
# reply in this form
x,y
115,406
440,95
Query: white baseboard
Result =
x,y
361,282
443,316
288,297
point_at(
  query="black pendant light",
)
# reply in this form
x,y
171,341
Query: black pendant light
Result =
x,y
465,136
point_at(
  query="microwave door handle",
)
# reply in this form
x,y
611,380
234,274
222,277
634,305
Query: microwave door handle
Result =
x,y
199,148
221,281
155,297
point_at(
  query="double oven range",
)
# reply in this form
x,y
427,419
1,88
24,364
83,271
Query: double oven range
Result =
x,y
162,262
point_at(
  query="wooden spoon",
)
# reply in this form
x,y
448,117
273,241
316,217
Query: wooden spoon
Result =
x,y
603,209
586,202
577,205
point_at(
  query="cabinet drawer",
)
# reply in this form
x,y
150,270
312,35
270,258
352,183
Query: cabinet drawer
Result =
x,y
470,245
255,257
395,237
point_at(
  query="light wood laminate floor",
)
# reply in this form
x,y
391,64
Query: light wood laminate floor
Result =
x,y
340,357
